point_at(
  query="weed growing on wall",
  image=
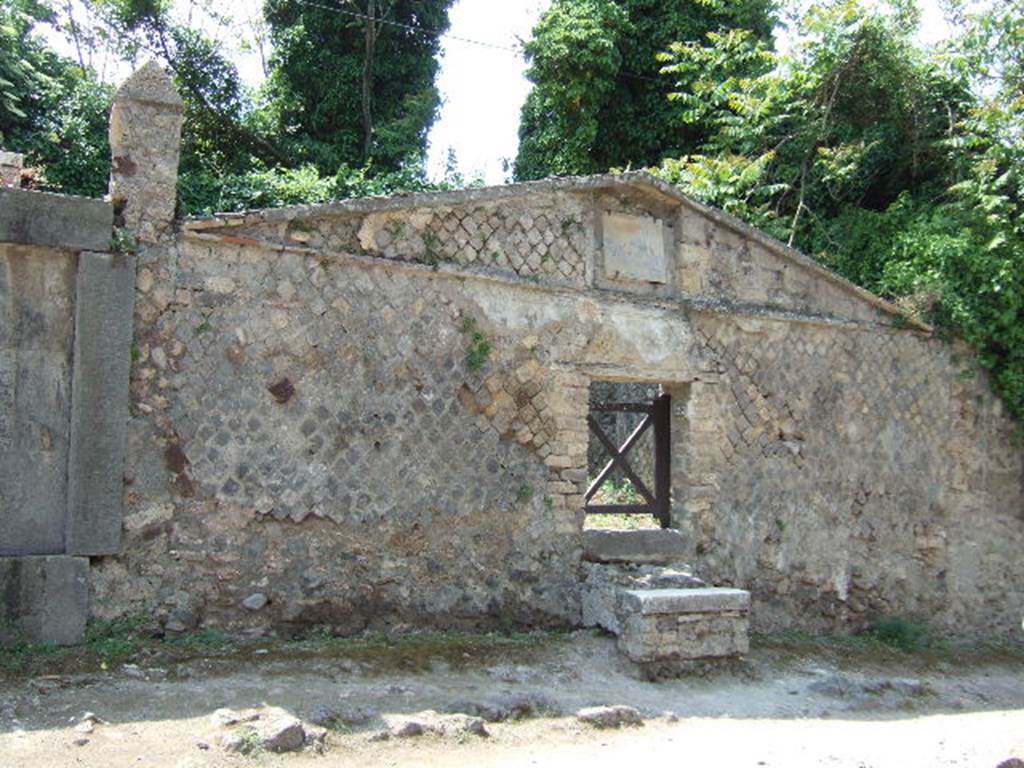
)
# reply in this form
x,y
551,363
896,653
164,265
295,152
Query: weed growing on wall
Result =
x,y
123,242
479,347
203,327
432,255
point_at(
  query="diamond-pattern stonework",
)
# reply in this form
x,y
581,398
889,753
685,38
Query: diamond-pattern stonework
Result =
x,y
817,447
545,241
372,414
383,441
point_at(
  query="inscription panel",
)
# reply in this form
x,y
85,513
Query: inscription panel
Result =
x,y
634,248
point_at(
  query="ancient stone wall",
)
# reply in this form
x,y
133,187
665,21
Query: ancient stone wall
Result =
x,y
372,414
321,431
332,435
842,474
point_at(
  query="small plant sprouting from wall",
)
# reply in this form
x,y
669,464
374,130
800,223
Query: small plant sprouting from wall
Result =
x,y
524,492
432,255
123,242
203,326
479,347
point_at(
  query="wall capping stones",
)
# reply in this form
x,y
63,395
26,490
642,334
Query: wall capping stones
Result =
x,y
642,182
104,309
28,217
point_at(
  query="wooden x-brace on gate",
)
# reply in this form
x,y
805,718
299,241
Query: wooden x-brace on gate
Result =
x,y
658,415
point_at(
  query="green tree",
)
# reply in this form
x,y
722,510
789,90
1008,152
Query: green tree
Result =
x,y
219,133
897,166
354,84
598,99
856,115
51,109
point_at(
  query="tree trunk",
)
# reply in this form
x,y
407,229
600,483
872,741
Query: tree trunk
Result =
x,y
371,43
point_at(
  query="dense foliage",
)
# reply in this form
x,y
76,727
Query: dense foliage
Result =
x,y
895,164
338,115
205,192
889,162
378,100
50,109
598,100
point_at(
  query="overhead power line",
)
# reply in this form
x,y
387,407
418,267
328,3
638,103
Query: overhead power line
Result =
x,y
439,33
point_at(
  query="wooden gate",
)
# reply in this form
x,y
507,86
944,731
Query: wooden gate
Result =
x,y
658,415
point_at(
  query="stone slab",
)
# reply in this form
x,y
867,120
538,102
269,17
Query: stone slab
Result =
x,y
28,217
99,402
634,248
37,296
700,600
603,582
657,547
43,599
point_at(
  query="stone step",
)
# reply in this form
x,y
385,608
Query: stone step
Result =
x,y
665,616
681,625
604,582
649,602
651,547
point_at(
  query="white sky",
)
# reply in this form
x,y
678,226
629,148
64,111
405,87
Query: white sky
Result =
x,y
483,88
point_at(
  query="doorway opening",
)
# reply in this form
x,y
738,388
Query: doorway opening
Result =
x,y
629,457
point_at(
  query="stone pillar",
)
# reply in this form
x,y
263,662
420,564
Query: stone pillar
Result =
x,y
145,136
10,169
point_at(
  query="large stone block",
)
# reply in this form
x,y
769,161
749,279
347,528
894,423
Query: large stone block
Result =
x,y
684,637
635,248
99,406
645,546
37,288
56,221
604,584
658,625
43,599
699,600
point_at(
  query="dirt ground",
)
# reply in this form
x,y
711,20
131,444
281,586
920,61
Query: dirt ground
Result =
x,y
783,706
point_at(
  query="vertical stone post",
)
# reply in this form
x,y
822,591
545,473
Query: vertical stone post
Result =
x,y
145,137
10,169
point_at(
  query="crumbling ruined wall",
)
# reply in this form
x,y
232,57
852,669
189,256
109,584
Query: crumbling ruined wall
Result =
x,y
318,436
372,414
326,438
841,473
